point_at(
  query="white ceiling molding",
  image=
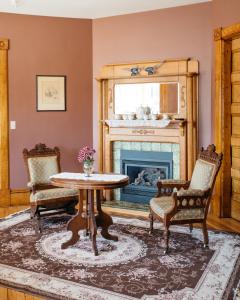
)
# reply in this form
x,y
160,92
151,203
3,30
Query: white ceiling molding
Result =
x,y
89,9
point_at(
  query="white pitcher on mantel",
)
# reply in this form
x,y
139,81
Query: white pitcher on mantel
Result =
x,y
140,112
143,111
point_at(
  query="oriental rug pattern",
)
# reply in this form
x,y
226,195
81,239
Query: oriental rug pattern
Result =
x,y
132,268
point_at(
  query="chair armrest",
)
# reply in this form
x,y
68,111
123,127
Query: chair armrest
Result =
x,y
167,187
187,199
32,187
190,192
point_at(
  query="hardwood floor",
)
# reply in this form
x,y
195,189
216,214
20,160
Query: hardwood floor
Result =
x,y
224,224
8,294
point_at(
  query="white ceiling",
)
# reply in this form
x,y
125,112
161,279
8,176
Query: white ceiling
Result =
x,y
89,9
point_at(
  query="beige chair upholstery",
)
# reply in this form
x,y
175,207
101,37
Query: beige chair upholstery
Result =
x,y
41,168
53,193
203,175
184,202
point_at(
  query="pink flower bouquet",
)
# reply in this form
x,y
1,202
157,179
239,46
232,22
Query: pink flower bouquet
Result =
x,y
86,154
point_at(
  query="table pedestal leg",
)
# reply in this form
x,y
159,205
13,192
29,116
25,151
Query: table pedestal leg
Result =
x,y
104,220
92,220
75,224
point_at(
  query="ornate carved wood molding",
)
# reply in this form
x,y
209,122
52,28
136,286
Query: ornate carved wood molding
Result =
x,y
231,31
217,34
177,67
4,44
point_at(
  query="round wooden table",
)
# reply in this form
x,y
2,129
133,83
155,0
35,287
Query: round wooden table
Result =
x,y
87,219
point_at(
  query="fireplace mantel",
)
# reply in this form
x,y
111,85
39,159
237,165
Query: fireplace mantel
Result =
x,y
181,129
138,123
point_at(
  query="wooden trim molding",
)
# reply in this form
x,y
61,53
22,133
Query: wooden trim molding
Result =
x,y
4,134
19,197
217,34
230,32
221,205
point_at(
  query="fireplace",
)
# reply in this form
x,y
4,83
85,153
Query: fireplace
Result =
x,y
144,169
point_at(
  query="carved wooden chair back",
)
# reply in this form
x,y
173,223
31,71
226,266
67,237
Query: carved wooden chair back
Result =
x,y
41,163
206,170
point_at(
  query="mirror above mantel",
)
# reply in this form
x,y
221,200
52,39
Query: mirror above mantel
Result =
x,y
156,97
159,97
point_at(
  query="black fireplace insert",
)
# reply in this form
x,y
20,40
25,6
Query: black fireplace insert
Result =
x,y
144,169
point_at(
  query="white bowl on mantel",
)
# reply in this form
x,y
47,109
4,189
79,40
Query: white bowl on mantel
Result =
x,y
165,117
154,116
118,117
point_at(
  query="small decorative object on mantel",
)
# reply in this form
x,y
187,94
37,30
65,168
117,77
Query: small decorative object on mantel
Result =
x,y
85,156
165,117
131,116
150,70
118,117
153,116
143,112
140,112
134,71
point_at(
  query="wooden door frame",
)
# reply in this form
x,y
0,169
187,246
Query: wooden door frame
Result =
x,y
222,116
4,127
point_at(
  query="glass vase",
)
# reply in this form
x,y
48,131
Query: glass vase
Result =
x,y
88,168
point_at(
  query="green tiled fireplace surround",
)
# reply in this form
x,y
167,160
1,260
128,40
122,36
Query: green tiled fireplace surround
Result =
x,y
145,146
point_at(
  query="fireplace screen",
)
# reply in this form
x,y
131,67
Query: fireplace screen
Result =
x,y
144,169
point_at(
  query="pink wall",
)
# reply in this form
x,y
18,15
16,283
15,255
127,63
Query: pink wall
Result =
x,y
168,33
225,13
55,46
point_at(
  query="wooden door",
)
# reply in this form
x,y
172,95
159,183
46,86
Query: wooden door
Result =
x,y
235,137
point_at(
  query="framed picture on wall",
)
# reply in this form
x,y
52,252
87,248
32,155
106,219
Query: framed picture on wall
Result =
x,y
51,93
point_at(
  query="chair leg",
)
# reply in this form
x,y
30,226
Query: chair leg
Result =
x,y
191,227
151,223
38,226
205,234
166,235
33,211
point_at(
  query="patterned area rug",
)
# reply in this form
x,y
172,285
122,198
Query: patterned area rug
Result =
x,y
132,268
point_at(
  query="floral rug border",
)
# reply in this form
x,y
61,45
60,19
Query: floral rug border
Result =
x,y
213,283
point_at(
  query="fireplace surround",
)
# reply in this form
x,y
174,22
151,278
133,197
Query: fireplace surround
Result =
x,y
134,157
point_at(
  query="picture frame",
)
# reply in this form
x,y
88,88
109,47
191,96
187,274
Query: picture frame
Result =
x,y
50,93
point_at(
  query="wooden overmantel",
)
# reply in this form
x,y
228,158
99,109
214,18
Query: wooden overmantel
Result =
x,y
182,129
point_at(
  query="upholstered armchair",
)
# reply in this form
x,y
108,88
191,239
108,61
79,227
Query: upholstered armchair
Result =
x,y
45,199
187,202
